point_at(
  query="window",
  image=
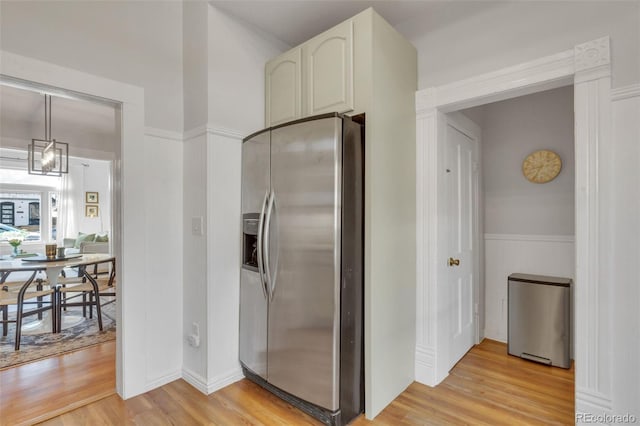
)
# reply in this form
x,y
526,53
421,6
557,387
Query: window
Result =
x,y
20,212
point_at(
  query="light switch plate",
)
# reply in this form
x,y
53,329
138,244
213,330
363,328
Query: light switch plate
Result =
x,y
197,228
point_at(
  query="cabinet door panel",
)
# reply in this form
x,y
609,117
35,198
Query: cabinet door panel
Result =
x,y
328,64
283,88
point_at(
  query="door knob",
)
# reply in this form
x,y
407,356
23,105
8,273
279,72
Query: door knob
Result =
x,y
453,261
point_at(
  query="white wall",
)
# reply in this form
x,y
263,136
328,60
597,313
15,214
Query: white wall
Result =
x,y
511,130
237,55
234,58
532,254
624,228
195,63
223,259
163,248
139,43
94,176
511,33
195,257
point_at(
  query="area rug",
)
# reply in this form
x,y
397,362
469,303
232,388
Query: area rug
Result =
x,y
34,347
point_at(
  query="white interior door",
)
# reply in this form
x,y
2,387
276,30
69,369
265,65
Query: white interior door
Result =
x,y
461,180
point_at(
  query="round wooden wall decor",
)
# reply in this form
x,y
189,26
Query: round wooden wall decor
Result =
x,y
541,166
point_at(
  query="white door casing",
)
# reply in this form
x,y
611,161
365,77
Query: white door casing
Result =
x,y
131,360
588,67
461,179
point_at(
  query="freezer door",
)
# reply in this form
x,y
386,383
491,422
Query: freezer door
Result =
x,y
253,323
255,171
304,314
253,299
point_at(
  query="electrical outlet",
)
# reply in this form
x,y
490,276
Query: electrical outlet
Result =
x,y
193,341
194,338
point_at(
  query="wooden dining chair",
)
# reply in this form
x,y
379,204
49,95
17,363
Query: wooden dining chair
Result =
x,y
22,295
92,283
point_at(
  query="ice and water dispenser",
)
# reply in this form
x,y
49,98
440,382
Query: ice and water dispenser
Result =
x,y
250,241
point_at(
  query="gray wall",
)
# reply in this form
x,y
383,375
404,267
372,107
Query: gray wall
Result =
x,y
511,130
471,40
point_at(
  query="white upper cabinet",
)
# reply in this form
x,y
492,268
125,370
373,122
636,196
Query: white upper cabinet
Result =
x,y
328,71
283,88
313,78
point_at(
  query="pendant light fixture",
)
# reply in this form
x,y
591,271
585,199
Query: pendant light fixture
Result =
x,y
48,157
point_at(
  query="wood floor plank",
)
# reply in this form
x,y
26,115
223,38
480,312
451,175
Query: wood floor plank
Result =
x,y
43,389
487,387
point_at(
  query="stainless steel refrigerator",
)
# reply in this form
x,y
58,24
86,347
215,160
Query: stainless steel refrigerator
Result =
x,y
301,280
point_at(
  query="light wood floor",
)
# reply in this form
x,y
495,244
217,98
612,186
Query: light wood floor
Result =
x,y
43,389
486,387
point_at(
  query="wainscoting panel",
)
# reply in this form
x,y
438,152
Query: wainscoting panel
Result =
x,y
532,254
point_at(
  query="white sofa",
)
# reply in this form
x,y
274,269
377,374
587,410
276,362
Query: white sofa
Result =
x,y
85,246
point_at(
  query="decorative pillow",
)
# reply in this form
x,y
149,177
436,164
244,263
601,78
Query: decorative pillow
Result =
x,y
101,238
83,237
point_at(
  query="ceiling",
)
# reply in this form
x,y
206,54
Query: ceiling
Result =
x,y
295,21
90,128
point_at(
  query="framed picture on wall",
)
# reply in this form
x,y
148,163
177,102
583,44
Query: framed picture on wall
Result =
x,y
91,197
91,211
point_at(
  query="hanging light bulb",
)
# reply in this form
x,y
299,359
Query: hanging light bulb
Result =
x,y
48,157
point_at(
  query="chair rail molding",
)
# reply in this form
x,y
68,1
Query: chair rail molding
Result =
x,y
625,92
163,134
588,67
213,130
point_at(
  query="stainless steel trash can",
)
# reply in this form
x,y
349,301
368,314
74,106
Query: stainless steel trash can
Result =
x,y
539,318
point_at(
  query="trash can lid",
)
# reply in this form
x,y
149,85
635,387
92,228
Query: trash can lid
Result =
x,y
540,279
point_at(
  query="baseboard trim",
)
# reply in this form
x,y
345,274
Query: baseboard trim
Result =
x,y
220,381
195,380
425,366
161,381
216,383
592,407
492,334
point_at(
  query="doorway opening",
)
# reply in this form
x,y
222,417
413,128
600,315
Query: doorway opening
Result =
x,y
78,205
587,67
526,227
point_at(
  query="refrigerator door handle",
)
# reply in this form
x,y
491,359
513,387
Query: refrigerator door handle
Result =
x,y
265,242
259,245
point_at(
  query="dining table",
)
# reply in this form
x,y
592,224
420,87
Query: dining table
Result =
x,y
52,267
